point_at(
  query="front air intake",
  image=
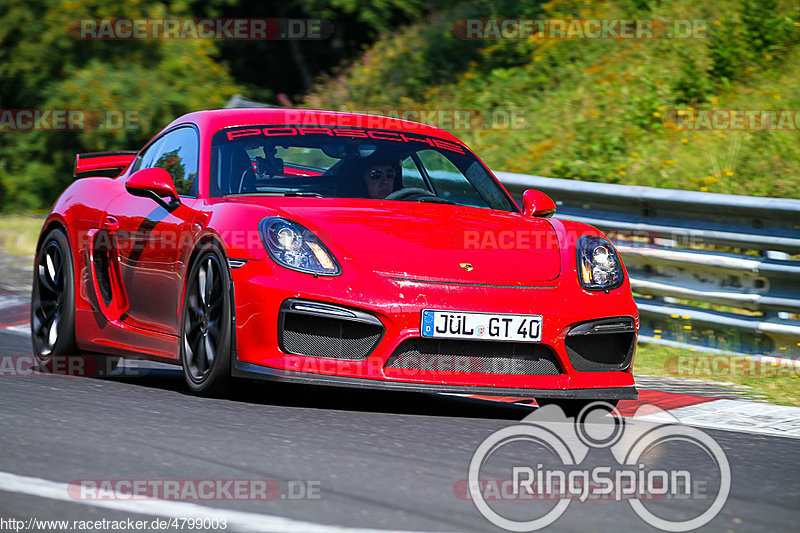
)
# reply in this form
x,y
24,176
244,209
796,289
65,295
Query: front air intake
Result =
x,y
323,330
602,345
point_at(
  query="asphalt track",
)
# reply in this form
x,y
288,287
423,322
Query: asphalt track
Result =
x,y
381,460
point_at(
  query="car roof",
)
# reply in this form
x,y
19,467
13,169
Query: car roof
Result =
x,y
217,119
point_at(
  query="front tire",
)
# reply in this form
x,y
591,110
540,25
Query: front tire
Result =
x,y
205,346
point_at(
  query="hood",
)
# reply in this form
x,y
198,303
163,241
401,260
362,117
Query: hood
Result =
x,y
432,242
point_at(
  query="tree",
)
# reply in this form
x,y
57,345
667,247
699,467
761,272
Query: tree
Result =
x,y
127,89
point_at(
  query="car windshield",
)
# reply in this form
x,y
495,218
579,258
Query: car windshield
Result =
x,y
349,163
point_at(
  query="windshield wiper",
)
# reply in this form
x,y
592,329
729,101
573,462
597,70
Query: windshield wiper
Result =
x,y
275,193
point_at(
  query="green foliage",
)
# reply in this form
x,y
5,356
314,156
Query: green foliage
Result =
x,y
602,109
759,32
727,52
693,85
593,109
767,27
375,16
147,83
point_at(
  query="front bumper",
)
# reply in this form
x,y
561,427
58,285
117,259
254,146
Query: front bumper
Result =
x,y
262,289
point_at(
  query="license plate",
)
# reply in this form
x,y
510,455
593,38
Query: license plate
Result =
x,y
481,326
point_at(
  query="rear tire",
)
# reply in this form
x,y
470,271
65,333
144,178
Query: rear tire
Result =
x,y
53,313
205,346
53,300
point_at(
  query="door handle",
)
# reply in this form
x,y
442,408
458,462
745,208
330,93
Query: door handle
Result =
x,y
110,224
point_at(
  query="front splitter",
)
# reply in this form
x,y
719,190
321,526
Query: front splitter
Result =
x,y
250,370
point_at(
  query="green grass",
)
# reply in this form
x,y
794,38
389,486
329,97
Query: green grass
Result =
x,y
776,383
19,233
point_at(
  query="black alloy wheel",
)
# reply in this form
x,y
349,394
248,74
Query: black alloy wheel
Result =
x,y
52,300
53,313
206,326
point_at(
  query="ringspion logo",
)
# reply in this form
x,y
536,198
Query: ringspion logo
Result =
x,y
558,469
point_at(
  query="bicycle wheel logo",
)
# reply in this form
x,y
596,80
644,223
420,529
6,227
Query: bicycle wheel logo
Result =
x,y
631,478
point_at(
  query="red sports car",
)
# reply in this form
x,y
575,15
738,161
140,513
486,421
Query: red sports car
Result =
x,y
329,248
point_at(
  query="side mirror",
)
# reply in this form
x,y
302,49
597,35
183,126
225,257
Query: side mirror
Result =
x,y
154,183
538,204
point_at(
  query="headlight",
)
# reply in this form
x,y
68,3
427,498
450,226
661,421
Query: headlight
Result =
x,y
292,246
599,267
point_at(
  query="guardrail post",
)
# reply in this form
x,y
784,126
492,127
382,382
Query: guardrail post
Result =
x,y
781,256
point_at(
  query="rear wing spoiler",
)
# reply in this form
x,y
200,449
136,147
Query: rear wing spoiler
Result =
x,y
109,164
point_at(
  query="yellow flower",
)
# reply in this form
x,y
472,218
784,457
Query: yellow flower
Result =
x,y
704,189
714,100
622,173
728,172
656,114
684,140
634,155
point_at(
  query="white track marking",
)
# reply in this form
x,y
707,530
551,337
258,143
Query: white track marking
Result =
x,y
7,301
10,301
741,416
20,329
236,520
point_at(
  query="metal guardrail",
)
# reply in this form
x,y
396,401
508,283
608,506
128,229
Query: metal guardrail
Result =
x,y
690,293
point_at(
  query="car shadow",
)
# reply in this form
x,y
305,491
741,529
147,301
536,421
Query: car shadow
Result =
x,y
328,397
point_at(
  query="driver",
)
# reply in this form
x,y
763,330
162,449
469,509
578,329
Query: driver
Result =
x,y
381,180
